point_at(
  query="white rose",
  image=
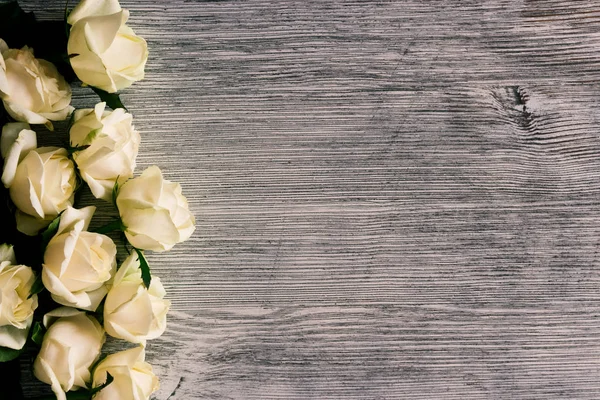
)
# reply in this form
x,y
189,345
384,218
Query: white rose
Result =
x,y
16,310
31,89
154,211
105,53
78,264
70,346
132,312
133,377
41,180
113,146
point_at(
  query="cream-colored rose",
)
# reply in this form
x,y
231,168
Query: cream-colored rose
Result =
x,y
31,89
133,377
154,211
70,346
105,52
16,309
132,312
78,264
41,181
113,147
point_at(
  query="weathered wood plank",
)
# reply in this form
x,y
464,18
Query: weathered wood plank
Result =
x,y
395,199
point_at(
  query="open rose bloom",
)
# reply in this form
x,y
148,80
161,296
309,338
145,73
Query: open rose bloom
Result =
x,y
111,147
41,180
133,377
78,264
16,307
31,89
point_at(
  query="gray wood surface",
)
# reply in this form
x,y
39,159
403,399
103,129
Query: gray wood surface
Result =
x,y
395,199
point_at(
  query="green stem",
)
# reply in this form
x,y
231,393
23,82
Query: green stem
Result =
x,y
116,225
75,149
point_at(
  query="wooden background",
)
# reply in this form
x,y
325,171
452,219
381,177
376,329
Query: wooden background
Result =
x,y
394,199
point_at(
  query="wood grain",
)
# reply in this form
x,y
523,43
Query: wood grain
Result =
x,y
394,199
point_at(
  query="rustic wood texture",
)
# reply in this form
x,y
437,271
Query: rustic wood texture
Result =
x,y
394,199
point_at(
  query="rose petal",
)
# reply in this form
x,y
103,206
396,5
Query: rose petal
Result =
x,y
91,8
71,216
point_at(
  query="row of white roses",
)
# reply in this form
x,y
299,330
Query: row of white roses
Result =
x,y
79,267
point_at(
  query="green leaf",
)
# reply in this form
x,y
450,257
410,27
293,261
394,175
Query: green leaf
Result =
x,y
109,380
146,277
79,395
112,99
67,26
71,122
37,287
72,150
7,354
116,225
94,366
37,333
100,308
115,192
50,232
99,312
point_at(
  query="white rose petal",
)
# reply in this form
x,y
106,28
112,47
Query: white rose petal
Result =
x,y
17,140
90,8
133,377
3,80
154,211
31,225
70,346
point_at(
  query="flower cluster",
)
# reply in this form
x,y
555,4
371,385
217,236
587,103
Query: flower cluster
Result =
x,y
94,294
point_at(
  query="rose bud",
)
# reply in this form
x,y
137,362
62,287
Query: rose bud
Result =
x,y
70,346
132,312
154,212
105,52
133,377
